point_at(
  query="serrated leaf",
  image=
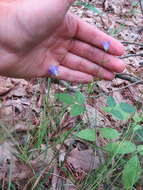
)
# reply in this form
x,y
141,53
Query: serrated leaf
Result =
x,y
120,147
65,98
87,134
109,133
128,108
117,114
77,109
140,149
111,102
131,173
79,97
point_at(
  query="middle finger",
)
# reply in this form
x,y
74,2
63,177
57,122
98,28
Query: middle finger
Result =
x,y
97,56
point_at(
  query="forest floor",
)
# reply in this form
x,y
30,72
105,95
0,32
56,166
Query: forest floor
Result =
x,y
39,148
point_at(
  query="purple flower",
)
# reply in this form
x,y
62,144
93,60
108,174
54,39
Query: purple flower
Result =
x,y
53,70
106,46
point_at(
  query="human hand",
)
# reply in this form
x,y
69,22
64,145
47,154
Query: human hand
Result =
x,y
37,35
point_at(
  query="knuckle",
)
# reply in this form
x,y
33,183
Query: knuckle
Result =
x,y
99,72
90,51
80,65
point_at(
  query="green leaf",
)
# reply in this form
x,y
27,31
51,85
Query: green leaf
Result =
x,y
111,102
109,133
140,149
117,114
134,4
139,134
107,109
137,127
127,107
120,147
89,6
65,98
131,173
87,134
137,118
93,9
79,97
76,110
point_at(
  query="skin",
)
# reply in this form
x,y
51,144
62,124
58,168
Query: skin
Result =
x,y
34,35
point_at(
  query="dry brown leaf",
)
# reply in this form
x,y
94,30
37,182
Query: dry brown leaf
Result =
x,y
5,85
93,117
21,127
7,151
83,161
69,185
6,113
18,91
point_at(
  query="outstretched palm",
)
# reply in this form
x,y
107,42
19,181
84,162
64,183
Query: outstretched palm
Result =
x,y
34,45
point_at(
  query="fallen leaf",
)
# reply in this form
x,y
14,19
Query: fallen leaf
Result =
x,y
5,85
84,160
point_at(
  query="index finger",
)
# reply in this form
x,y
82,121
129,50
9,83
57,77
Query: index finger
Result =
x,y
92,35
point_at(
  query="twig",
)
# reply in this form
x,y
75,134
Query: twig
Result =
x,y
67,86
106,94
131,55
141,6
133,43
127,77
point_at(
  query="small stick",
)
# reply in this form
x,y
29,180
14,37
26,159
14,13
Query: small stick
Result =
x,y
133,43
127,77
67,86
124,87
131,55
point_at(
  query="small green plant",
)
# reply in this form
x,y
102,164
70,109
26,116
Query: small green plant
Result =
x,y
131,172
75,102
120,111
115,31
122,147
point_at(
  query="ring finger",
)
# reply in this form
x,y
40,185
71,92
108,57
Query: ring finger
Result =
x,y
81,64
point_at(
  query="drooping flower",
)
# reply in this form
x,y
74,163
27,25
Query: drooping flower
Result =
x,y
106,46
53,70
